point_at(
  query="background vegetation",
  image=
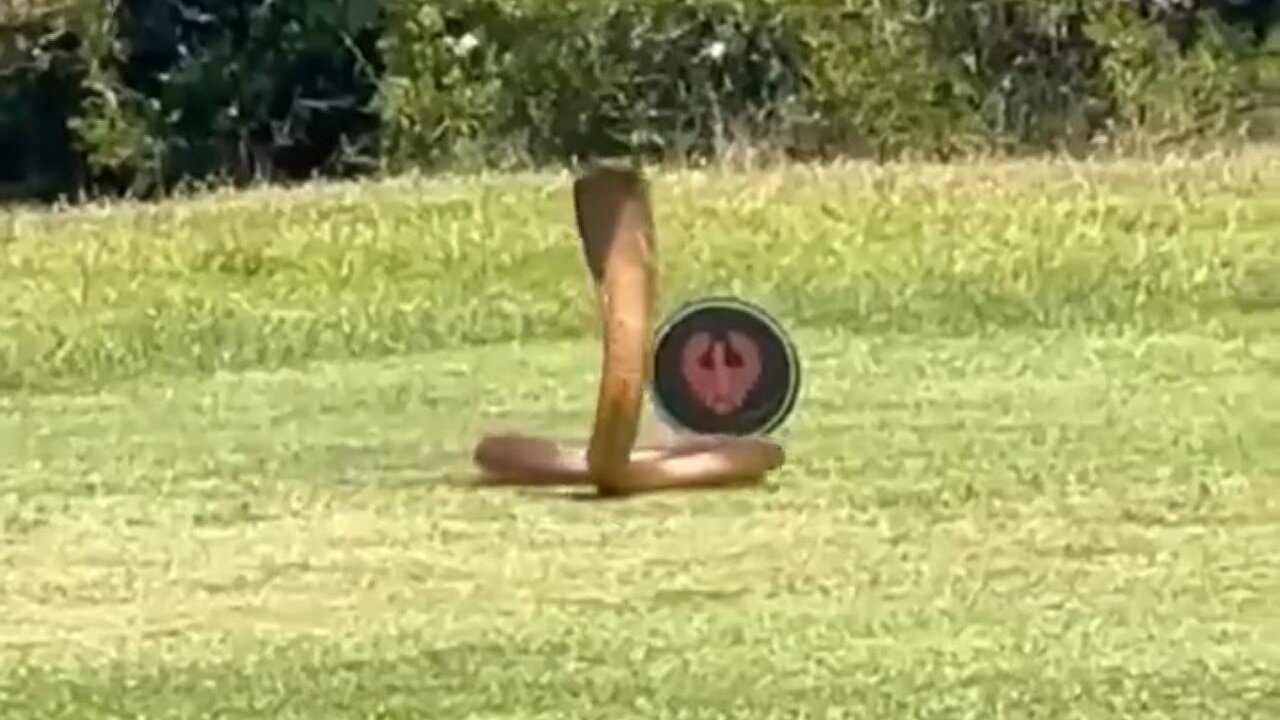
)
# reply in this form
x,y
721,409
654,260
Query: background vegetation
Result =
x,y
141,95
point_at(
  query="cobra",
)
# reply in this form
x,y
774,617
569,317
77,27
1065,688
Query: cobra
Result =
x,y
615,224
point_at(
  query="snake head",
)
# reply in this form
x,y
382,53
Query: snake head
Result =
x,y
615,220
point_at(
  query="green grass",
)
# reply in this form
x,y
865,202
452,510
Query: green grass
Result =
x,y
1033,474
272,278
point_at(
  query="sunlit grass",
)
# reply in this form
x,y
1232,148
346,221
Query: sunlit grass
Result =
x,y
1033,473
271,278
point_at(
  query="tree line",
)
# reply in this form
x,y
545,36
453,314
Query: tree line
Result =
x,y
111,97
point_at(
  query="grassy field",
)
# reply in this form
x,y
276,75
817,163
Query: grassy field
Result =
x,y
1035,472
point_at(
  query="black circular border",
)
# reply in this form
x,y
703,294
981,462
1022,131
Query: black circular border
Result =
x,y
757,313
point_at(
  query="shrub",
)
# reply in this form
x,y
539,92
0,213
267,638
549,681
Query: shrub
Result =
x,y
500,81
497,81
244,90
141,95
43,69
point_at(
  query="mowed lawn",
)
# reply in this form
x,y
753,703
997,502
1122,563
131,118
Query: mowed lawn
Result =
x,y
1035,471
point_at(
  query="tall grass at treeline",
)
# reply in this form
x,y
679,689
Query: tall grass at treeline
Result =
x,y
276,277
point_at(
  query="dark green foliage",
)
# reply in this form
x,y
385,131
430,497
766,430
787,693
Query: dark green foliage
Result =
x,y
947,77
250,89
537,81
490,81
141,95
41,73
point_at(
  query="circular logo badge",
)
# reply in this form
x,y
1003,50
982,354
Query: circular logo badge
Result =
x,y
724,366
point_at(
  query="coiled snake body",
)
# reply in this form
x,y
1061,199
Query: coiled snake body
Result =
x,y
616,227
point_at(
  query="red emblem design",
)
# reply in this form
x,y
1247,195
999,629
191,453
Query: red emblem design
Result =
x,y
721,371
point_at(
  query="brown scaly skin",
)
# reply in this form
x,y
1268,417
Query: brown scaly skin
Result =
x,y
615,223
